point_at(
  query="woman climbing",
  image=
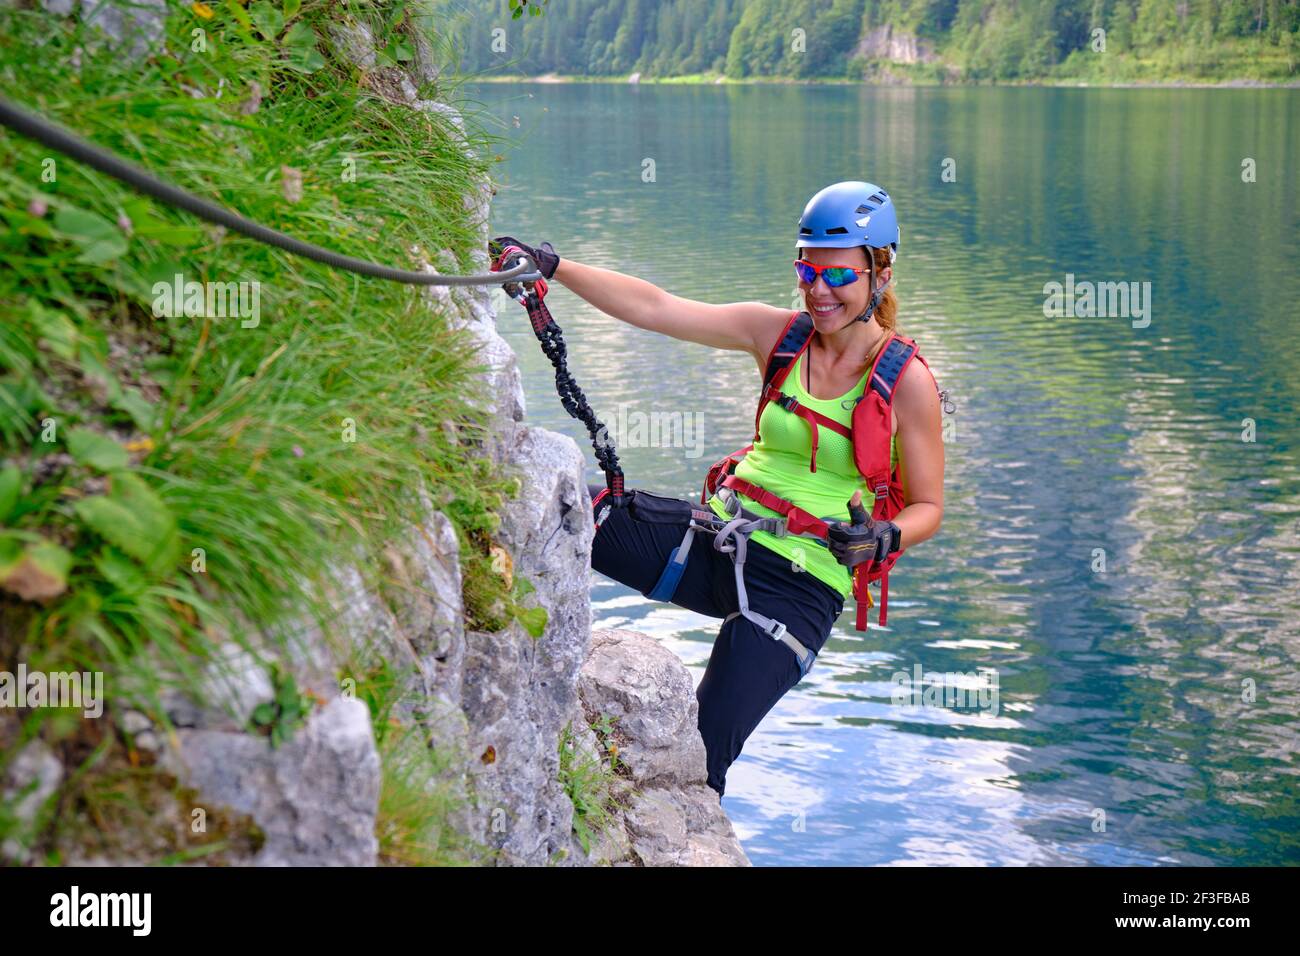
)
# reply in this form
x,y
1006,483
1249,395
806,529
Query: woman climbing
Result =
x,y
845,420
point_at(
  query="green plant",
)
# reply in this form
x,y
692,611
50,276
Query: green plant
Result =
x,y
588,782
534,7
418,801
532,619
380,688
288,710
603,726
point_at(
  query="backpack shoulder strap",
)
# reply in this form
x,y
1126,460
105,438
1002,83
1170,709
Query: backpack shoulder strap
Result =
x,y
893,358
793,340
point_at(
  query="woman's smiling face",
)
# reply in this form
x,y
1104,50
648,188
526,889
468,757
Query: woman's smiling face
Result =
x,y
833,308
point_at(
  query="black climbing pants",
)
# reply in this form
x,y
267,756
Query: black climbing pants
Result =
x,y
748,671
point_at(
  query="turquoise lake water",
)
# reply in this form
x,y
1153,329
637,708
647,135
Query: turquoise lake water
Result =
x,y
1158,695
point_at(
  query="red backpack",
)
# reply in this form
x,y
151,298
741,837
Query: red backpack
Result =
x,y
870,434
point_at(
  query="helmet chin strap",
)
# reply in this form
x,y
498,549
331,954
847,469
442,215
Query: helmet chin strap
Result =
x,y
875,295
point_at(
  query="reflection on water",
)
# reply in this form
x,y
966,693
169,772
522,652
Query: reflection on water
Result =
x,y
1112,548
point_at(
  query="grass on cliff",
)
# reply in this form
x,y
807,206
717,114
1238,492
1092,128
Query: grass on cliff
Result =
x,y
598,785
170,482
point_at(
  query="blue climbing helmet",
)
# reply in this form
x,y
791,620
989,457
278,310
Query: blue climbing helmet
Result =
x,y
848,214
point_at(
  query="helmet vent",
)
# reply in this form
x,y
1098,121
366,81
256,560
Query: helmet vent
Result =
x,y
837,231
863,208
879,197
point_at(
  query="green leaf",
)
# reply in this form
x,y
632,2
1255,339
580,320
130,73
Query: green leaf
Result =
x,y
291,8
99,239
84,227
97,253
300,43
120,571
533,620
287,693
263,714
165,272
20,400
114,523
300,35
135,519
310,63
11,485
95,450
146,222
268,20
134,404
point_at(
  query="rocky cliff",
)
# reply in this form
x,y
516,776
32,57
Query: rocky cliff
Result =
x,y
520,725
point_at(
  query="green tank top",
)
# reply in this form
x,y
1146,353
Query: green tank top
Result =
x,y
779,463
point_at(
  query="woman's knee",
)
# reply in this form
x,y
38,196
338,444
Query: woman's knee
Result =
x,y
747,673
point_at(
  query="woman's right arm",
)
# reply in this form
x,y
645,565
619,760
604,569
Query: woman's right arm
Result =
x,y
740,326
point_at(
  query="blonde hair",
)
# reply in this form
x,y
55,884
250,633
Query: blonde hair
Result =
x,y
886,314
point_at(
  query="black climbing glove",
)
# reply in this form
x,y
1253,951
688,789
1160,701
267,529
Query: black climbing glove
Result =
x,y
544,255
864,539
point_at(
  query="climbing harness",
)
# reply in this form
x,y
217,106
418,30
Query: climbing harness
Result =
x,y
55,137
730,536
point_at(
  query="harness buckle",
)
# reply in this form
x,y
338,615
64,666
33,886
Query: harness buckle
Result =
x,y
788,402
777,632
730,501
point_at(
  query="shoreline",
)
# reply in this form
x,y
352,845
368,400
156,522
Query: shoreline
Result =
x,y
1072,83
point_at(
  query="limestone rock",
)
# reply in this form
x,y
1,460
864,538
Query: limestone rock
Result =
x,y
315,797
897,47
674,818
139,22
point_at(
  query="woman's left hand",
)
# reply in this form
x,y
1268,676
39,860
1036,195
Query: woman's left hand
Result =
x,y
863,540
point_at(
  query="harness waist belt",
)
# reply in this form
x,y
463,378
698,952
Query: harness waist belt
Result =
x,y
797,520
